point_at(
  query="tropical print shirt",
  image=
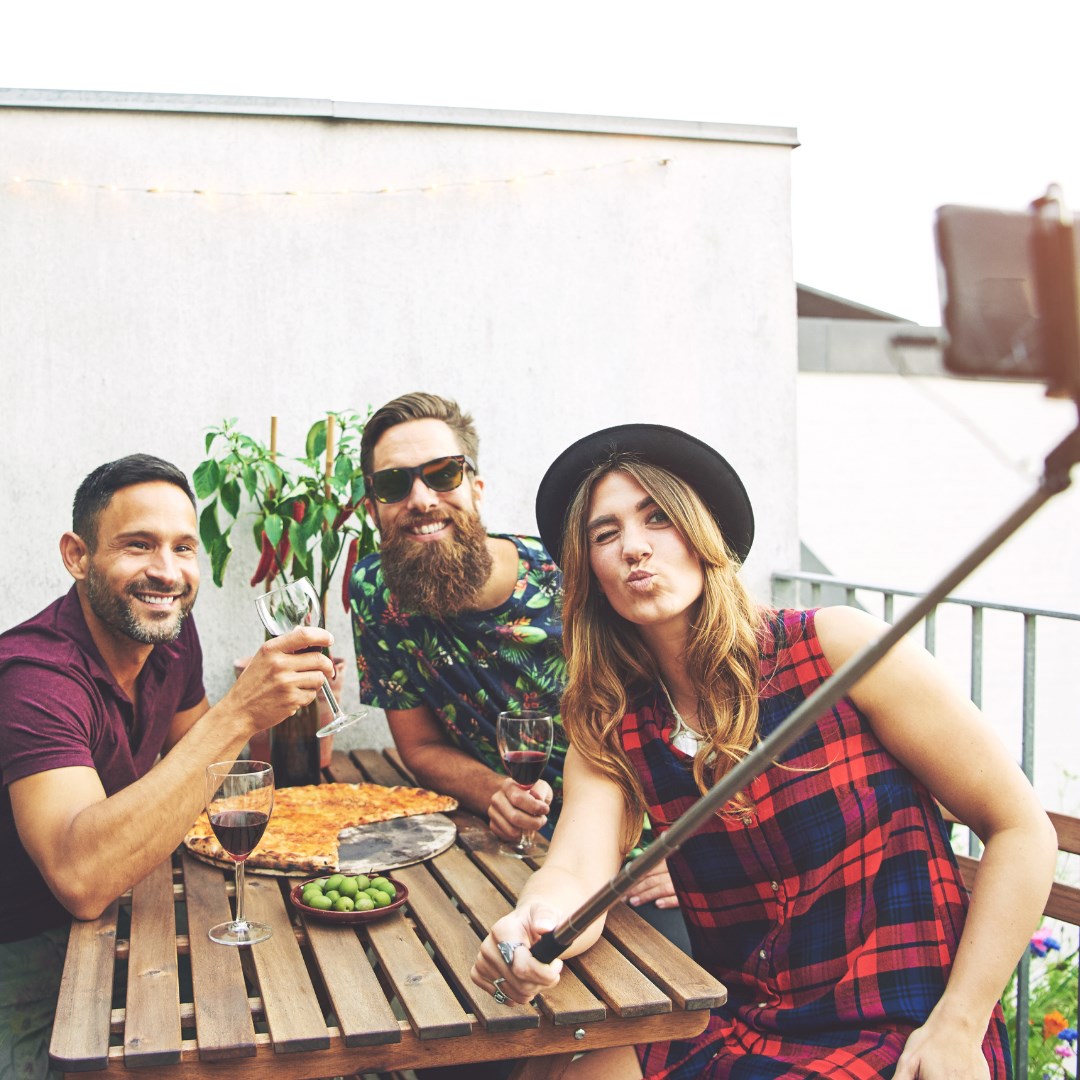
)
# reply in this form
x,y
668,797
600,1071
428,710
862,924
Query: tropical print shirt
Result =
x,y
471,667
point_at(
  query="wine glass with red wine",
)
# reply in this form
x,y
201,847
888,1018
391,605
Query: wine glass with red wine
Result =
x,y
525,745
239,800
297,604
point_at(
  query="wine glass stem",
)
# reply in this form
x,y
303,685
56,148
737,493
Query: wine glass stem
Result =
x,y
330,699
239,866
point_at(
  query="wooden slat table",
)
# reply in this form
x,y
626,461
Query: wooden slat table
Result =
x,y
321,1001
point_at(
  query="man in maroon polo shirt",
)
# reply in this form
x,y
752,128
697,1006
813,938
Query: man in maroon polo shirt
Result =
x,y
105,730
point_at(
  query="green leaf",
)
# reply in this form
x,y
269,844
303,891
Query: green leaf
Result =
x,y
343,471
272,475
299,536
230,497
207,476
251,481
220,550
273,526
315,445
331,545
302,565
209,530
209,441
307,527
328,513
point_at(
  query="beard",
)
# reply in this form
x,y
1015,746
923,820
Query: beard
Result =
x,y
117,610
442,578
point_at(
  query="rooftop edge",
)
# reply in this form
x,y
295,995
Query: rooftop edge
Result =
x,y
326,108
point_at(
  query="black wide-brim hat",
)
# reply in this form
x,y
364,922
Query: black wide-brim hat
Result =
x,y
706,471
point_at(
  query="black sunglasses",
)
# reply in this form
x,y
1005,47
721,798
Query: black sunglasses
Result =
x,y
439,474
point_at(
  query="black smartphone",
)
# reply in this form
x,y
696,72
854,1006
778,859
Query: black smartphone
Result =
x,y
1008,294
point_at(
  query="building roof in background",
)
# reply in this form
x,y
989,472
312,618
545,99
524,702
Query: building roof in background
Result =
x,y
815,304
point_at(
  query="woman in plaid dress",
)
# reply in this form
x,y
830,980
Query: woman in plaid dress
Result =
x,y
825,896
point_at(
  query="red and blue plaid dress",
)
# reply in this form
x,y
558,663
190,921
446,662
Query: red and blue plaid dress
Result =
x,y
832,912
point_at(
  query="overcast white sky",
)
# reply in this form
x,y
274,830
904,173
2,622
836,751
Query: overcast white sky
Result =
x,y
899,108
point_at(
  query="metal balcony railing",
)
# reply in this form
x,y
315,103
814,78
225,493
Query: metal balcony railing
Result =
x,y
797,589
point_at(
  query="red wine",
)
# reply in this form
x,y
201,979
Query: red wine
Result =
x,y
525,767
239,831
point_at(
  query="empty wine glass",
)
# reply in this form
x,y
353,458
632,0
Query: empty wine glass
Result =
x,y
239,800
524,739
297,604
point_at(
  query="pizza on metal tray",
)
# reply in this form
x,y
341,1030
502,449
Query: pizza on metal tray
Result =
x,y
302,834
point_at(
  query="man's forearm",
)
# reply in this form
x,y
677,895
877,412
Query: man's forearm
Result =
x,y
449,771
114,842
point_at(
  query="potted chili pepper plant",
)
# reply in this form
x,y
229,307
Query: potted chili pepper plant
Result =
x,y
306,520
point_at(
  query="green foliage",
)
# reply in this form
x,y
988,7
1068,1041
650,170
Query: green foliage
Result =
x,y
1053,995
302,515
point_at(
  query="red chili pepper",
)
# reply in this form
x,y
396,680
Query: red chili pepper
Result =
x,y
266,554
350,562
342,517
299,509
280,556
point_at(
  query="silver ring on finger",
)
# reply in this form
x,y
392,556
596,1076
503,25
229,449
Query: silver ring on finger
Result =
x,y
506,950
499,996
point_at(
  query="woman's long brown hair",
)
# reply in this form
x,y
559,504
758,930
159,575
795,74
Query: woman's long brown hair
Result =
x,y
608,661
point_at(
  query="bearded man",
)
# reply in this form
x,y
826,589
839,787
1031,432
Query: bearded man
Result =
x,y
105,730
453,625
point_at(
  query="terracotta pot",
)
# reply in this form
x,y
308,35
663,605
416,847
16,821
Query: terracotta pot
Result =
x,y
259,747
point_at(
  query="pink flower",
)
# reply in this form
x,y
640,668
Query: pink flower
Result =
x,y
1042,941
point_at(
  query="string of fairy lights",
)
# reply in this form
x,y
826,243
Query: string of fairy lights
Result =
x,y
17,181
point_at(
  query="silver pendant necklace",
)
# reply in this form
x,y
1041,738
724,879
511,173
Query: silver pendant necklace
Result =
x,y
684,738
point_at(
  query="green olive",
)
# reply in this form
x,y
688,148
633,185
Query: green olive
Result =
x,y
320,902
343,903
383,885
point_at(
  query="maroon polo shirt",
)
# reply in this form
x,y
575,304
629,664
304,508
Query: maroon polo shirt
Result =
x,y
60,706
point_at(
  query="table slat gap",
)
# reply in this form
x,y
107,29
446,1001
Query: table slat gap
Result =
x,y
378,770
394,757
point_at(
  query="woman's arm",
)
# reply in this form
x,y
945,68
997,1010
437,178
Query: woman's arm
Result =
x,y
585,853
940,736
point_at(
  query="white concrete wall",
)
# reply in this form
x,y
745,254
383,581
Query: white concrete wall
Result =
x,y
659,289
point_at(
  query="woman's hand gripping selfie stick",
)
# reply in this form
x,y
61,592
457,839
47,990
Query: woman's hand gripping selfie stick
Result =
x,y
1055,479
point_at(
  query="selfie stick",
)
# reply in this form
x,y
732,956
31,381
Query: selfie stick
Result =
x,y
1055,479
